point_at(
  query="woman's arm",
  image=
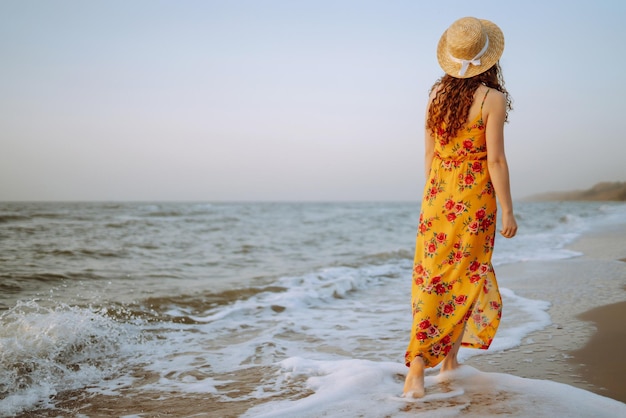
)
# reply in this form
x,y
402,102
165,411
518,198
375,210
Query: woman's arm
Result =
x,y
429,153
495,109
429,142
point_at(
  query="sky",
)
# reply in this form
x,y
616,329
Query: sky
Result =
x,y
270,100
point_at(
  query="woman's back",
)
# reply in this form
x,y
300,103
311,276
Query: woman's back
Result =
x,y
470,142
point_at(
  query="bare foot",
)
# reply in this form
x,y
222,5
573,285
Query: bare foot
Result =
x,y
414,383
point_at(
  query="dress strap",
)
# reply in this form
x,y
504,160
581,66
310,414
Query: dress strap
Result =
x,y
486,93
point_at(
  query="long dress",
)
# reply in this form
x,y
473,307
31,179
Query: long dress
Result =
x,y
454,286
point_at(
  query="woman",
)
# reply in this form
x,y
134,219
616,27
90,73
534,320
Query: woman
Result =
x,y
455,297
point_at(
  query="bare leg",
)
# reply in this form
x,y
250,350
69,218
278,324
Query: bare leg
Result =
x,y
414,383
451,362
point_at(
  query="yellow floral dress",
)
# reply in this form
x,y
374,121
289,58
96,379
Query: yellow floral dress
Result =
x,y
454,285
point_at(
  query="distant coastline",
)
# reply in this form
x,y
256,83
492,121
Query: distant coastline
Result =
x,y
605,191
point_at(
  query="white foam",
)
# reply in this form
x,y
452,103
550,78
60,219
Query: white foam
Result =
x,y
372,389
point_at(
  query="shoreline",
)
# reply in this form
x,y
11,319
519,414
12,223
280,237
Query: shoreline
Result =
x,y
585,293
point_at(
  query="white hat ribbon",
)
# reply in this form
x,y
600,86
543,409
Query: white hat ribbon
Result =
x,y
474,61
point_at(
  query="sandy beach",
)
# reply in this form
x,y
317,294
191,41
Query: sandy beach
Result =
x,y
587,294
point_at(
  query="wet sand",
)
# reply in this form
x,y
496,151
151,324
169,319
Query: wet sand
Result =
x,y
588,302
602,359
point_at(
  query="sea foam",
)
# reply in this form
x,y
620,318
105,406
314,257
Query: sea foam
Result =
x,y
371,389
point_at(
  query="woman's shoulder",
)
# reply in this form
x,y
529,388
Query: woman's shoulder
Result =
x,y
492,95
493,99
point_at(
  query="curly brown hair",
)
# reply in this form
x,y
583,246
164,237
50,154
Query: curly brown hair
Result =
x,y
454,97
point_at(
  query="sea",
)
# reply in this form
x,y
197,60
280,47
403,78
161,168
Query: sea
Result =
x,y
141,309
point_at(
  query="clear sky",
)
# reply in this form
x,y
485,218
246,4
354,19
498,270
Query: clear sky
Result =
x,y
289,100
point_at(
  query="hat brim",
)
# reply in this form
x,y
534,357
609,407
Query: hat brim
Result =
x,y
487,60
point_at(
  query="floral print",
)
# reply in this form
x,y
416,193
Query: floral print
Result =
x,y
454,287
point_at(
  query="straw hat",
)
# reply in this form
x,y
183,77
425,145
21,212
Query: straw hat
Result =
x,y
469,47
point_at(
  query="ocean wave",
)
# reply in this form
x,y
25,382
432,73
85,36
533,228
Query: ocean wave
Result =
x,y
38,277
128,223
204,302
165,214
176,210
9,287
47,350
49,277
571,219
385,257
289,293
79,254
13,218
